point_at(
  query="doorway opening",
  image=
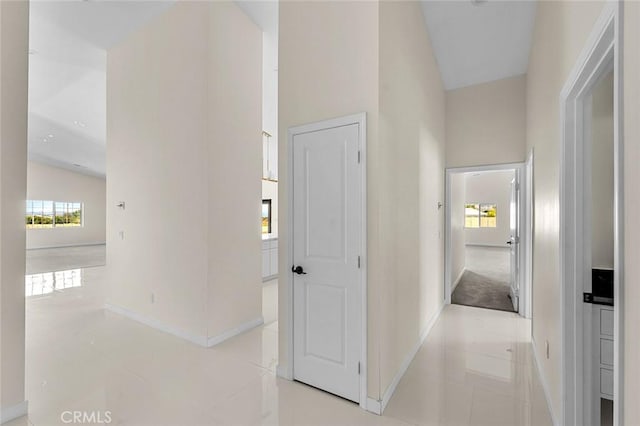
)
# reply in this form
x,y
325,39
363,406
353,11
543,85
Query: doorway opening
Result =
x,y
486,242
591,234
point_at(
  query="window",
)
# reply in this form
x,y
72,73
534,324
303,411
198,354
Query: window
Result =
x,y
50,214
478,215
266,216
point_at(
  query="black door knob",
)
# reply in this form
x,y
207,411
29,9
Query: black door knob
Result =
x,y
298,270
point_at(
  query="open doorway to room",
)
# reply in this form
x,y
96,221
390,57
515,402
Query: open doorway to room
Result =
x,y
486,248
591,231
265,16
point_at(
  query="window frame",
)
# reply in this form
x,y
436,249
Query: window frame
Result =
x,y
30,213
479,217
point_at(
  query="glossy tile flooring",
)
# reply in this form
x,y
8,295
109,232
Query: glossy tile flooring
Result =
x,y
474,369
65,258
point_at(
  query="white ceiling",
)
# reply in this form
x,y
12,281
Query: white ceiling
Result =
x,y
263,12
67,76
478,42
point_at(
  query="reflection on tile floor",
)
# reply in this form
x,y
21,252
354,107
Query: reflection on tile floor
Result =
x,y
475,369
48,282
63,258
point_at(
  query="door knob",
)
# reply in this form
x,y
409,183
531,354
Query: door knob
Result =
x,y
509,242
298,270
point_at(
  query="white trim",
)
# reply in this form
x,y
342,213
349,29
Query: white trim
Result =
x,y
178,332
485,168
386,397
528,235
287,371
269,278
14,412
504,246
519,169
374,406
282,371
545,385
216,340
457,281
603,48
158,325
99,243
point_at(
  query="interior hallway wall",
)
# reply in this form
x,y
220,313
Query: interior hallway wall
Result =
x,y
402,94
328,67
486,123
46,182
410,184
458,241
631,233
14,45
561,30
184,119
494,188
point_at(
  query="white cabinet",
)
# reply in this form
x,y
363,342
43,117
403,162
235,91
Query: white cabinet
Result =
x,y
603,339
269,259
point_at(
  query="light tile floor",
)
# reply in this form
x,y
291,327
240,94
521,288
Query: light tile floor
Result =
x,y
64,258
474,369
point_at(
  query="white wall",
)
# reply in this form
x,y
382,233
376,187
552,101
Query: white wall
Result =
x,y
491,188
409,183
45,182
632,207
602,188
486,123
332,65
561,30
319,77
14,45
458,240
234,167
184,121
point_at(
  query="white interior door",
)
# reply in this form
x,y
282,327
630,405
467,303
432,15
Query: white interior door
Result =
x,y
514,240
327,223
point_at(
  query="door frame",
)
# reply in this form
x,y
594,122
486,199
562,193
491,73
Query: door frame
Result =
x,y
603,48
361,120
525,243
528,234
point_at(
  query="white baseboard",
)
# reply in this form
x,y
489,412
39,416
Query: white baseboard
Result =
x,y
14,412
99,243
178,332
158,325
407,361
374,406
545,385
216,340
457,281
283,372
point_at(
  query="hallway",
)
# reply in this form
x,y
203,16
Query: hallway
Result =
x,y
475,368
